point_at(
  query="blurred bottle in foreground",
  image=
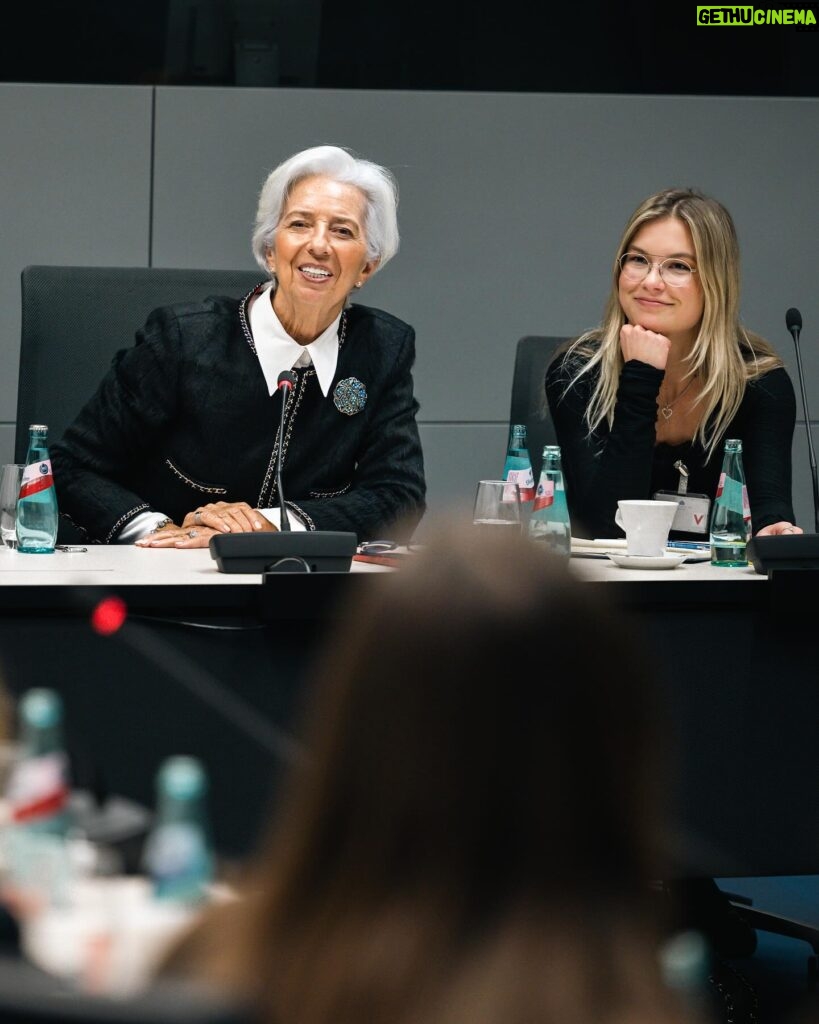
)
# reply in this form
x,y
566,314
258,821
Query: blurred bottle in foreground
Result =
x,y
731,515
518,466
549,522
35,855
38,787
178,854
37,505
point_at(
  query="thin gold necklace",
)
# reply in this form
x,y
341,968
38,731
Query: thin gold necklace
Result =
x,y
667,408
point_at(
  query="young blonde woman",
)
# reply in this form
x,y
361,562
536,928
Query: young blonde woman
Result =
x,y
670,374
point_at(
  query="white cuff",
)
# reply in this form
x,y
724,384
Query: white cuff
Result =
x,y
138,527
273,515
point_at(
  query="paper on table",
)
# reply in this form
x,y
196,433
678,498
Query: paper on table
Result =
x,y
599,543
598,547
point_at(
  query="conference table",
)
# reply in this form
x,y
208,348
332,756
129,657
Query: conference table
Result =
x,y
191,660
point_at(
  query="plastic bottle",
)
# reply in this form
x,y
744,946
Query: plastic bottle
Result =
x,y
549,521
178,853
518,466
37,505
731,515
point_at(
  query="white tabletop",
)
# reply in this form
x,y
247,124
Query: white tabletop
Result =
x,y
605,571
124,565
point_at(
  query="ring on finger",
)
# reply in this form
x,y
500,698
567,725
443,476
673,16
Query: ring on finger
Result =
x,y
197,517
193,533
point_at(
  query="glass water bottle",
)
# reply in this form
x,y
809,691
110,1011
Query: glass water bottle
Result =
x,y
549,522
37,505
731,515
518,466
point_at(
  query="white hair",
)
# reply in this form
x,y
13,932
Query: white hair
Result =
x,y
376,184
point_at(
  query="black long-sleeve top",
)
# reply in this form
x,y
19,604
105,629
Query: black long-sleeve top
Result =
x,y
626,462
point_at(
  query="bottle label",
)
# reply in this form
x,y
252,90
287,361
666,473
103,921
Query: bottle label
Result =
x,y
38,788
525,480
733,495
545,495
36,477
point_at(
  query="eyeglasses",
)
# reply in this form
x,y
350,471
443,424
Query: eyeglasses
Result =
x,y
634,266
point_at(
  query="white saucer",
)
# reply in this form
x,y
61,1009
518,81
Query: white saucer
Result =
x,y
646,561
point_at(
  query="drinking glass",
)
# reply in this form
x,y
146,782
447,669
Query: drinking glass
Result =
x,y
9,493
497,504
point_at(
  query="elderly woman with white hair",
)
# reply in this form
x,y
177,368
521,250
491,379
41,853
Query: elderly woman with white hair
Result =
x,y
180,440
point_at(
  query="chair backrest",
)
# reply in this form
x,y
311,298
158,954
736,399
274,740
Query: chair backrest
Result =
x,y
76,318
528,405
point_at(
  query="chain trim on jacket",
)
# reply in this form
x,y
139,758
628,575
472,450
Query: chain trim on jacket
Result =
x,y
192,483
331,494
243,304
292,407
125,518
308,522
82,529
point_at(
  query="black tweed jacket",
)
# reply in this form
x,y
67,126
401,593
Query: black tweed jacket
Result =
x,y
184,418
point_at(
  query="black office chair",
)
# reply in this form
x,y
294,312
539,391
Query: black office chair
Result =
x,y
76,318
528,405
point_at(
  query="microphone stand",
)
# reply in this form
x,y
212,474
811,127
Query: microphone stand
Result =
x,y
795,327
796,551
285,384
287,550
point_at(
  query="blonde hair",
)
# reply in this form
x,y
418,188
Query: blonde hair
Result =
x,y
725,356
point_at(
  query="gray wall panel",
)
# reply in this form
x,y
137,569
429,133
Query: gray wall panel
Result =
x,y
511,204
74,189
456,456
6,443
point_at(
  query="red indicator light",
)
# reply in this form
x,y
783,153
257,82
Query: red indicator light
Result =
x,y
108,616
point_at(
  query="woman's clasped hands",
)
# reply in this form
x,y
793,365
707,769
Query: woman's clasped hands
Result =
x,y
204,522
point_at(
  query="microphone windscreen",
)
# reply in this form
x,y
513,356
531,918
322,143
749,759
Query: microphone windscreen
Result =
x,y
793,320
287,377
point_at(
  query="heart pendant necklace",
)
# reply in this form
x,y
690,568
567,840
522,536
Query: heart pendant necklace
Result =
x,y
666,408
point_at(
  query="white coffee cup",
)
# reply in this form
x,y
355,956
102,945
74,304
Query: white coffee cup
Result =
x,y
646,524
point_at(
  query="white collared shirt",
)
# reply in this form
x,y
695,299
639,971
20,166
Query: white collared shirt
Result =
x,y
276,351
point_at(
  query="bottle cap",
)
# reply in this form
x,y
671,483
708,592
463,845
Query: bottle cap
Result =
x,y
39,427
41,708
182,778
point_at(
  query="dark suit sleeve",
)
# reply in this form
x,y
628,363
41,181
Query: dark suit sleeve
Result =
x,y
603,467
388,488
102,449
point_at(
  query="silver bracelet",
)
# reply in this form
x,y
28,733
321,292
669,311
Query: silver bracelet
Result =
x,y
161,525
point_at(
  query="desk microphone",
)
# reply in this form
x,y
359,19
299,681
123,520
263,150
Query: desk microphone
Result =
x,y
792,551
285,383
285,551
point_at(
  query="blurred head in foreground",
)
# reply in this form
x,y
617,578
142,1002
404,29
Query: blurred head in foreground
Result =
x,y
472,838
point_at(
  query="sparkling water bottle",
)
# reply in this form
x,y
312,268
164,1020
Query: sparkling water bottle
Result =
x,y
518,466
178,853
549,522
38,788
731,515
37,504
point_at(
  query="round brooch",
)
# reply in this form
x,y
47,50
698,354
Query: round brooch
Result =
x,y
350,396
